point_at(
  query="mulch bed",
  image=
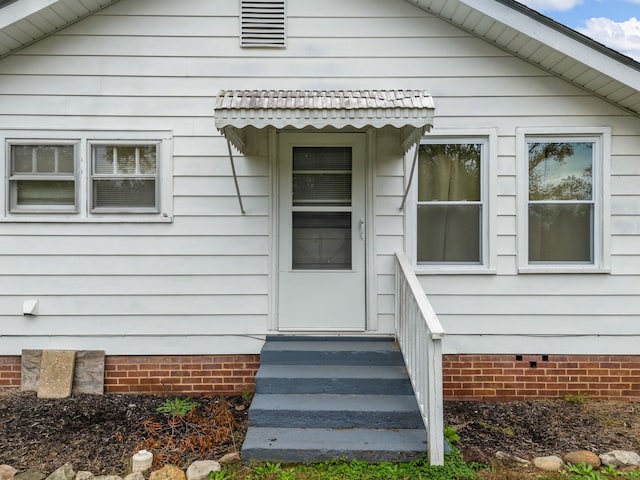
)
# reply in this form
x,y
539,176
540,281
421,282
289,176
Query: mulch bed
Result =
x,y
100,433
529,429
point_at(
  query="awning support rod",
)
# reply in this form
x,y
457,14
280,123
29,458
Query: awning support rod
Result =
x,y
235,177
413,168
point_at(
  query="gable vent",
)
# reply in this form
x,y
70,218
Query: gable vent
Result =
x,y
262,23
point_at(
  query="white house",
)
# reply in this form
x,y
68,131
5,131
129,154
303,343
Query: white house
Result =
x,y
182,179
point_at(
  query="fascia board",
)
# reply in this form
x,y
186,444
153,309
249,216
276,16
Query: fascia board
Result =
x,y
558,41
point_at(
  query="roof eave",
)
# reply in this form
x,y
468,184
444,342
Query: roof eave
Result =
x,y
563,39
19,10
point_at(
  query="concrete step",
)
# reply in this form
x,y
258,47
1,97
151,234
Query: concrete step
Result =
x,y
360,379
331,352
335,411
306,445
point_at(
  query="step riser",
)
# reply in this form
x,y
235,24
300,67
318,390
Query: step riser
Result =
x,y
334,419
341,386
315,445
288,357
322,455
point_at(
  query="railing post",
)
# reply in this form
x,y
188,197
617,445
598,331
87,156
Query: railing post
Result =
x,y
436,405
419,335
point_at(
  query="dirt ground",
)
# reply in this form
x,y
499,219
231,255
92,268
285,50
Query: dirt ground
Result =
x,y
100,433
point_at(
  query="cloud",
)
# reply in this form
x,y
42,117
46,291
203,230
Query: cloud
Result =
x,y
559,5
621,36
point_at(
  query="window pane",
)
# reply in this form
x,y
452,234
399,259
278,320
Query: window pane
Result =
x,y
148,159
449,233
45,159
34,192
321,241
560,233
126,160
103,159
449,172
322,158
22,157
124,193
322,189
560,171
65,159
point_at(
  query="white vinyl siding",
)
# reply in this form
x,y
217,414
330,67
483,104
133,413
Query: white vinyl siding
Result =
x,y
202,283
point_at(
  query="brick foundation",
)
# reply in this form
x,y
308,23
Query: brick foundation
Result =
x,y
466,377
176,374
10,372
521,377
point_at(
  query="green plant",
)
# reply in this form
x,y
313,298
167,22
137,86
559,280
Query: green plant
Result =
x,y
247,396
451,435
578,398
582,471
219,475
610,471
287,475
267,469
177,407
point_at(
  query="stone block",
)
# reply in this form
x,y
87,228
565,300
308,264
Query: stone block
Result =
x,y
56,373
88,372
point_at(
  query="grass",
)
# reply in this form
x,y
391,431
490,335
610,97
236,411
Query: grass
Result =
x,y
454,469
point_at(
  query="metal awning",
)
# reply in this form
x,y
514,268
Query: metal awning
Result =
x,y
409,111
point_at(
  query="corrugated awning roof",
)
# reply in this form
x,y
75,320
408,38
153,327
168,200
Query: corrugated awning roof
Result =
x,y
409,110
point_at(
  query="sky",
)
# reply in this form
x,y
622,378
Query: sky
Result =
x,y
614,23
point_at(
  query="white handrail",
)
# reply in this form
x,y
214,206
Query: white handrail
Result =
x,y
420,333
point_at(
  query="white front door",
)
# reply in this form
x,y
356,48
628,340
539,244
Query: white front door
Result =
x,y
321,232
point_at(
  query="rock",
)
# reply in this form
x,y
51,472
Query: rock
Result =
x,y
135,476
229,457
551,463
168,472
582,456
84,475
107,477
7,472
620,458
31,475
511,460
200,469
63,473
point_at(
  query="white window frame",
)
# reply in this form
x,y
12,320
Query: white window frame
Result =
x,y
489,160
83,141
97,177
601,138
12,205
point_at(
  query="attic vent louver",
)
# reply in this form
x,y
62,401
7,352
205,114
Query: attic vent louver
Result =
x,y
262,23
